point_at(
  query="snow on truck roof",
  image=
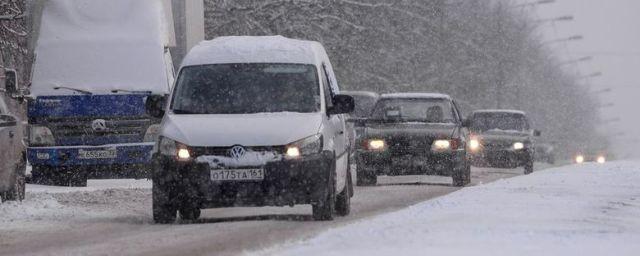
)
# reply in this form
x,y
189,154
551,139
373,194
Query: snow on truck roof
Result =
x,y
100,46
508,111
255,49
416,95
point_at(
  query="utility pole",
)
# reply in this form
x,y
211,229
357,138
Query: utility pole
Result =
x,y
500,76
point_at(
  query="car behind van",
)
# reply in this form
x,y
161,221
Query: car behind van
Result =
x,y
252,121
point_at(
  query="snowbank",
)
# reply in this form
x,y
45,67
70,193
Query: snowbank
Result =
x,y
576,210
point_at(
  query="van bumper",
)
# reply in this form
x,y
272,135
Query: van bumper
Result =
x,y
286,182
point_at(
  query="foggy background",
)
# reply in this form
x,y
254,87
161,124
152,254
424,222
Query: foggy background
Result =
x,y
612,38
486,54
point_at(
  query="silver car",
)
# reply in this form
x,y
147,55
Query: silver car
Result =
x,y
12,158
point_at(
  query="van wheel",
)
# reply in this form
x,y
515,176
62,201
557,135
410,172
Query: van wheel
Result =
x,y
77,179
343,200
324,209
163,211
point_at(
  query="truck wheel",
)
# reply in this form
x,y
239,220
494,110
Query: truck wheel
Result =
x,y
366,177
528,167
462,177
164,212
324,209
189,214
77,179
343,200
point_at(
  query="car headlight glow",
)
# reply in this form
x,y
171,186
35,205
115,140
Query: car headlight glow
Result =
x,y
518,145
40,136
601,160
441,145
307,146
474,144
376,145
579,159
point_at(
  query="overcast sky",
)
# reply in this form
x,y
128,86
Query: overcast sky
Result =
x,y
612,36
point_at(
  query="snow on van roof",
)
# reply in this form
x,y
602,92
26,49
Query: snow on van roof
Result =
x,y
100,46
416,95
254,49
509,111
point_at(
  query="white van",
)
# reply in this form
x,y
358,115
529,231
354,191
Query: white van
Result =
x,y
252,121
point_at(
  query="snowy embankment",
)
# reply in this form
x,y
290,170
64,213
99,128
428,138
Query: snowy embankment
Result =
x,y
48,205
575,210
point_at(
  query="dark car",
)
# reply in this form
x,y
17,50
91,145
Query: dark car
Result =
x,y
501,139
588,156
12,159
365,101
545,152
413,134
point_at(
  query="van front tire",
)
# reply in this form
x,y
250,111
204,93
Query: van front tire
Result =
x,y
163,211
324,209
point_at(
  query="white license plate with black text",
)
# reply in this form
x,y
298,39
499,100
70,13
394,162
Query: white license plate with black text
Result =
x,y
97,154
237,174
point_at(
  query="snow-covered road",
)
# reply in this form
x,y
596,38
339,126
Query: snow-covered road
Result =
x,y
113,217
586,209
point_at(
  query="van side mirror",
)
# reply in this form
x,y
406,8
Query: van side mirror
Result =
x,y
342,104
537,133
11,81
155,105
8,121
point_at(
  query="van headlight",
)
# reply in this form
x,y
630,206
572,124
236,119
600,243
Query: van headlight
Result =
x,y
151,135
40,136
169,147
304,147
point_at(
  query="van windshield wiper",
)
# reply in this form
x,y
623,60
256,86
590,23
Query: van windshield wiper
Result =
x,y
73,89
130,91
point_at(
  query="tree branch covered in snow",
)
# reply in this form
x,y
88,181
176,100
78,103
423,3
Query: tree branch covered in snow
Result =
x,y
478,51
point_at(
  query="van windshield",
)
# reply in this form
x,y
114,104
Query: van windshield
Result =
x,y
247,88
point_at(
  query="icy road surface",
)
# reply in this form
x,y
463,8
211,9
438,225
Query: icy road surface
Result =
x,y
588,209
113,217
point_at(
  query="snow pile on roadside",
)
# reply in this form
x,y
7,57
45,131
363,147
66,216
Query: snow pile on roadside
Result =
x,y
128,200
576,210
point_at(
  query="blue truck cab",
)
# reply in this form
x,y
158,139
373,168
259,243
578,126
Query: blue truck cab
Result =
x,y
96,64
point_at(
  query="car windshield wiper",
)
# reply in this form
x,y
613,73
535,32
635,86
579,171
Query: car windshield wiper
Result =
x,y
73,89
130,91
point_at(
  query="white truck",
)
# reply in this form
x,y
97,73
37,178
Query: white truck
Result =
x,y
96,63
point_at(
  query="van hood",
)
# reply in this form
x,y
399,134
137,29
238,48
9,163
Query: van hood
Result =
x,y
261,129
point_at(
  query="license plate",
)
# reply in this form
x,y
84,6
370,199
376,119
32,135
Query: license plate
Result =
x,y
237,175
97,154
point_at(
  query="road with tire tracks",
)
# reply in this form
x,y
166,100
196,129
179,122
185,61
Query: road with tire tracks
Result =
x,y
116,220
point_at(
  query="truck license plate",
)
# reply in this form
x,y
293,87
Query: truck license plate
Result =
x,y
97,154
237,175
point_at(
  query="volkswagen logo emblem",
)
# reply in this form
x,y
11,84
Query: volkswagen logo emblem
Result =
x,y
237,152
99,125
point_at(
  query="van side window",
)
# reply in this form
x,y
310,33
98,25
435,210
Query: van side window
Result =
x,y
326,87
